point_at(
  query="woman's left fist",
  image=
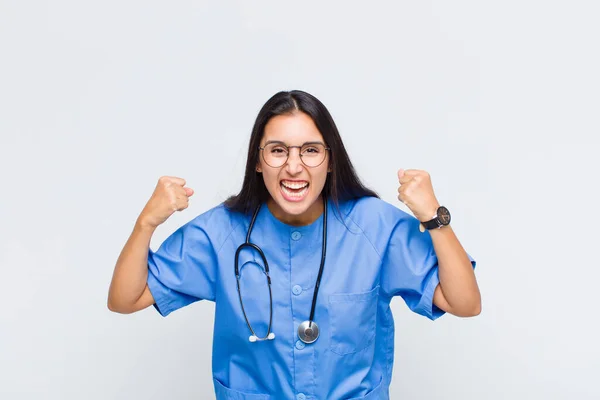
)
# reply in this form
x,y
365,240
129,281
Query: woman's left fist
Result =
x,y
416,191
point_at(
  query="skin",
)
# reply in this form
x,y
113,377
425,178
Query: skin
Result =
x,y
294,130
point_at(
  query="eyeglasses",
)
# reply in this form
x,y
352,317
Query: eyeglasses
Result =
x,y
276,154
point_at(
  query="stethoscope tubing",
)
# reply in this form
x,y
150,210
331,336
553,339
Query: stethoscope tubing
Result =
x,y
269,335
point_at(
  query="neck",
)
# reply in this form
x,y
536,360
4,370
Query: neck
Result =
x,y
306,218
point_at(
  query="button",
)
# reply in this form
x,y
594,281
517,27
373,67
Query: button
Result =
x,y
296,235
300,396
300,344
297,289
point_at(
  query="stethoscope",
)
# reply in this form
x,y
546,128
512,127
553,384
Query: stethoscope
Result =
x,y
308,331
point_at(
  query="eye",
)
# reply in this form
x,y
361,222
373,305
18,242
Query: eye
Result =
x,y
311,150
278,150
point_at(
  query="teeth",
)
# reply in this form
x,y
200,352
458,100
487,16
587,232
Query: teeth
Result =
x,y
294,194
294,185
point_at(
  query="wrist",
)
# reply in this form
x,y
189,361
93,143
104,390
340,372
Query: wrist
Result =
x,y
429,215
439,219
144,225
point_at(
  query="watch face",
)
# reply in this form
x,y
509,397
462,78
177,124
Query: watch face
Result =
x,y
443,215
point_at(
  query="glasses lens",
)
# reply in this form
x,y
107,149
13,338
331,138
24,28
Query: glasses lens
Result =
x,y
275,154
313,154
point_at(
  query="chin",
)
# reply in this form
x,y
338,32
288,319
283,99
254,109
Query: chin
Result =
x,y
294,208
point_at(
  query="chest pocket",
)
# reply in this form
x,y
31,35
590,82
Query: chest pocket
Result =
x,y
353,319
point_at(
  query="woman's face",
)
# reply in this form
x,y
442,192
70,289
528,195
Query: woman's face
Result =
x,y
294,187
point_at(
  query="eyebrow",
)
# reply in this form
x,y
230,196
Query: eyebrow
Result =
x,y
303,144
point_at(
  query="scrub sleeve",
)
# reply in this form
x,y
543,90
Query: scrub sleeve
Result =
x,y
410,265
183,269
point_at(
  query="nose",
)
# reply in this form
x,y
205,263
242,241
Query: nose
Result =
x,y
294,163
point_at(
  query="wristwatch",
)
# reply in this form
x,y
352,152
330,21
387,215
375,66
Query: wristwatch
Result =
x,y
440,219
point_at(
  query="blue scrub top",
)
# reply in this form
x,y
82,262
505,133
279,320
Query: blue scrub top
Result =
x,y
374,252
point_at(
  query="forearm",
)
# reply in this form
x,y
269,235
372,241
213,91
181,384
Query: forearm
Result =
x,y
131,270
457,278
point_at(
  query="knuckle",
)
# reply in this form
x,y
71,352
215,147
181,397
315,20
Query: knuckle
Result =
x,y
165,182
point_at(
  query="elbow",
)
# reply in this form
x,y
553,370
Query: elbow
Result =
x,y
471,311
468,310
111,306
476,310
117,308
110,302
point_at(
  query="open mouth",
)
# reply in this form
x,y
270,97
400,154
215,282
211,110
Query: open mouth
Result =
x,y
294,190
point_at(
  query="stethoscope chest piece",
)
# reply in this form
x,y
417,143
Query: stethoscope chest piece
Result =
x,y
308,331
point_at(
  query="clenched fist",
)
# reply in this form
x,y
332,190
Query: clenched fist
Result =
x,y
416,191
169,196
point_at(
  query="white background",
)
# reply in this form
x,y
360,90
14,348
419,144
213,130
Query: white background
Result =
x,y
499,101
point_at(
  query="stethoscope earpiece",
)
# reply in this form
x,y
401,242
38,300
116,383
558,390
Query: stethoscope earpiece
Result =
x,y
254,338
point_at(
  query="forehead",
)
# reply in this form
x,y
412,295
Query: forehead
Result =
x,y
293,128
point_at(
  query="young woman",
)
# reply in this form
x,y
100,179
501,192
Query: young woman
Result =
x,y
302,264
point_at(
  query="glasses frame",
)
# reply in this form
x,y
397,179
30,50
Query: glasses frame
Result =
x,y
288,152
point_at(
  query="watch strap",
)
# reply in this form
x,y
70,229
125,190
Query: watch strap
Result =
x,y
432,223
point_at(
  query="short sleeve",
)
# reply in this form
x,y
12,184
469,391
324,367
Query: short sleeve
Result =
x,y
410,267
183,269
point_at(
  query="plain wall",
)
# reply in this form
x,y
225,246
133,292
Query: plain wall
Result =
x,y
498,101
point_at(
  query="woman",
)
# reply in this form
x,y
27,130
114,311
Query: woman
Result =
x,y
302,312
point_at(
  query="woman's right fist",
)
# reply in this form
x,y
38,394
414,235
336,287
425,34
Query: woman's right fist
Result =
x,y
169,196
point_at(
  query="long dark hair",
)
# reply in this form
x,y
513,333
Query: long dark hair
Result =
x,y
341,184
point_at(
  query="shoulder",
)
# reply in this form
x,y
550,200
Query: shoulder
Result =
x,y
377,220
368,212
216,223
218,215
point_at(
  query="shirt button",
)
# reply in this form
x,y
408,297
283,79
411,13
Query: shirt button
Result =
x,y
299,344
296,235
300,396
297,289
